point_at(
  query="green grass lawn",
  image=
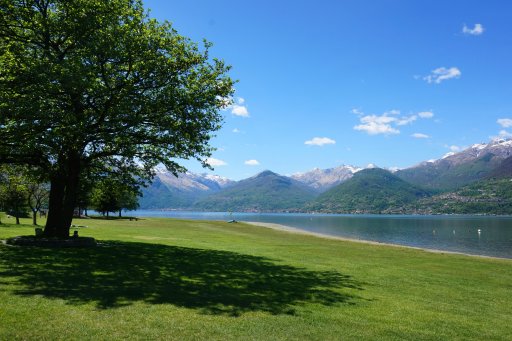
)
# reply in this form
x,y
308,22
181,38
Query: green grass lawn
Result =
x,y
196,280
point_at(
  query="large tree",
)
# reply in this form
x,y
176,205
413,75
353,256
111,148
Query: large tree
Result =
x,y
97,86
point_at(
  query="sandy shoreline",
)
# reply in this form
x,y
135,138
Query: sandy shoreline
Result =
x,y
290,229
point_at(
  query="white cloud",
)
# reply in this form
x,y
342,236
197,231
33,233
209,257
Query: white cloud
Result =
x,y
388,122
477,30
426,114
441,74
320,141
215,162
505,134
505,122
236,130
374,125
236,106
453,150
252,163
356,111
383,119
374,128
420,136
239,110
406,120
393,112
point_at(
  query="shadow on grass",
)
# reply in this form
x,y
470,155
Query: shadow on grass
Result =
x,y
214,282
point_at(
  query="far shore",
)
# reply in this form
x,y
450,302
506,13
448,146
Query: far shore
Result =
x,y
290,229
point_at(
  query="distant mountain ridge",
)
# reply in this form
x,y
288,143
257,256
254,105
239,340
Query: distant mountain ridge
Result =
x,y
266,191
372,190
193,182
430,187
323,179
459,169
181,192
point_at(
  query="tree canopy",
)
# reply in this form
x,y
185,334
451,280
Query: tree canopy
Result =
x,y
13,192
110,195
99,87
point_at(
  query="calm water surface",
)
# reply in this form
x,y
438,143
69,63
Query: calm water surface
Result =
x,y
449,233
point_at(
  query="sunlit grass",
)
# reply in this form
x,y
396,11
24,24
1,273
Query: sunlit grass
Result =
x,y
190,280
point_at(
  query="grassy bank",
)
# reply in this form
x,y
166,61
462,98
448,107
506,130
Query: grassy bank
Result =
x,y
190,280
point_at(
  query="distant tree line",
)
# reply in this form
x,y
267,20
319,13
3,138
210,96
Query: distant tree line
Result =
x,y
23,192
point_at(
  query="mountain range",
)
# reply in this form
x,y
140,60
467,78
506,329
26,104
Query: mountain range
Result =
x,y
323,179
458,169
265,192
476,180
372,190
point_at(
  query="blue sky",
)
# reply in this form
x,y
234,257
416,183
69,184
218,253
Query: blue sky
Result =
x,y
325,83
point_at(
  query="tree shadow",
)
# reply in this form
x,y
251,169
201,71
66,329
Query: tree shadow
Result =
x,y
214,282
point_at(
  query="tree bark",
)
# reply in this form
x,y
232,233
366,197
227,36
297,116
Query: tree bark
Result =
x,y
34,217
63,194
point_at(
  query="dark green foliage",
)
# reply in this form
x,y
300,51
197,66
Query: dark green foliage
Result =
x,y
493,196
267,192
90,86
103,199
112,196
37,197
14,192
369,191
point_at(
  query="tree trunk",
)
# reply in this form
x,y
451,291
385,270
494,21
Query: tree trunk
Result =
x,y
63,194
34,217
120,213
17,219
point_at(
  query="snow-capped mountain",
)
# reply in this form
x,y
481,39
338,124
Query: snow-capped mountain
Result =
x,y
457,169
499,148
169,191
192,182
451,171
323,179
220,180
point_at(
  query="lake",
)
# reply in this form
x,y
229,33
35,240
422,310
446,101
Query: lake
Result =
x,y
477,235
